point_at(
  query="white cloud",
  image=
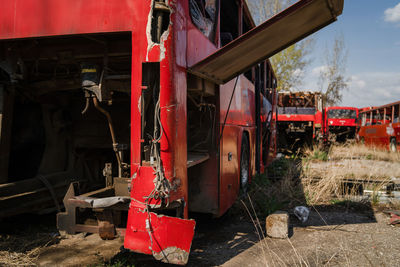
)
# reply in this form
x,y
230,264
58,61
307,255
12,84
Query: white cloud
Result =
x,y
355,81
393,14
365,89
298,72
317,70
372,89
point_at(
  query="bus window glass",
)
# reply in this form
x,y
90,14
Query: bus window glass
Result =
x,y
342,114
204,14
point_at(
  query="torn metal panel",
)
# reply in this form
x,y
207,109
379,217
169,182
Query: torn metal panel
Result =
x,y
284,29
167,238
158,29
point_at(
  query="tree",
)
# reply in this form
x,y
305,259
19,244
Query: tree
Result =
x,y
332,80
264,9
290,64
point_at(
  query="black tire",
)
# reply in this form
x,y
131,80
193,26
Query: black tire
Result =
x,y
393,145
244,164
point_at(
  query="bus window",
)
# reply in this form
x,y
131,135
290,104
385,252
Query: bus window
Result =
x,y
204,16
364,119
229,22
342,114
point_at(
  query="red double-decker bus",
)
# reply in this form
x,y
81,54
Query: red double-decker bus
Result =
x,y
380,126
160,107
340,123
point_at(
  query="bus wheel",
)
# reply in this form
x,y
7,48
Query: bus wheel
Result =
x,y
244,164
393,145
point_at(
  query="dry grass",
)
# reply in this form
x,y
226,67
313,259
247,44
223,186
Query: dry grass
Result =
x,y
19,259
359,151
283,252
348,168
17,250
319,178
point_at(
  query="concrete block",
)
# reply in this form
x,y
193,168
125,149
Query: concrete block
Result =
x,y
277,225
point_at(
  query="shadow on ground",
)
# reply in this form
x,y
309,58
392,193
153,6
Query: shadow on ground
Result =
x,y
217,240
25,232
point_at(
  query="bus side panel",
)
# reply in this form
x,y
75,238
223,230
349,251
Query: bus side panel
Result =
x,y
251,132
199,46
229,174
396,127
375,135
38,18
242,108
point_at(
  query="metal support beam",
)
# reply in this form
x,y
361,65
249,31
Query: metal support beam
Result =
x,y
384,115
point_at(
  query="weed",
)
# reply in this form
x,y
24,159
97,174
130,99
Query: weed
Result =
x,y
122,259
318,155
375,198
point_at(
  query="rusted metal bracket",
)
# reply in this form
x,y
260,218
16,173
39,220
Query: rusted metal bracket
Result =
x,y
66,221
105,208
106,224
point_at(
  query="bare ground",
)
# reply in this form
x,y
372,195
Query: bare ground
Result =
x,y
333,236
339,232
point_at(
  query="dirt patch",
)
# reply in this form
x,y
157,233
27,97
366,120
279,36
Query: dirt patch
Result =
x,y
338,232
333,236
79,250
367,242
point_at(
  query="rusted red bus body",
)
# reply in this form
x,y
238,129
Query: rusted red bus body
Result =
x,y
140,92
380,126
340,123
299,118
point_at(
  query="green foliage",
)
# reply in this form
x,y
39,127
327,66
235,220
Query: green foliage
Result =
x,y
289,65
269,206
375,198
318,155
123,259
281,167
339,202
277,189
309,196
264,204
120,264
261,180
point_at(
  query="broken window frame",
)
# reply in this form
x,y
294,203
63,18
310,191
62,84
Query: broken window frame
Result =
x,y
205,16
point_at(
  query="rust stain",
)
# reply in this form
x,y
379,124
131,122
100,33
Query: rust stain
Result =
x,y
172,255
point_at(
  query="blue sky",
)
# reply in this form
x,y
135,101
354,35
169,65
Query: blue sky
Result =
x,y
371,30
